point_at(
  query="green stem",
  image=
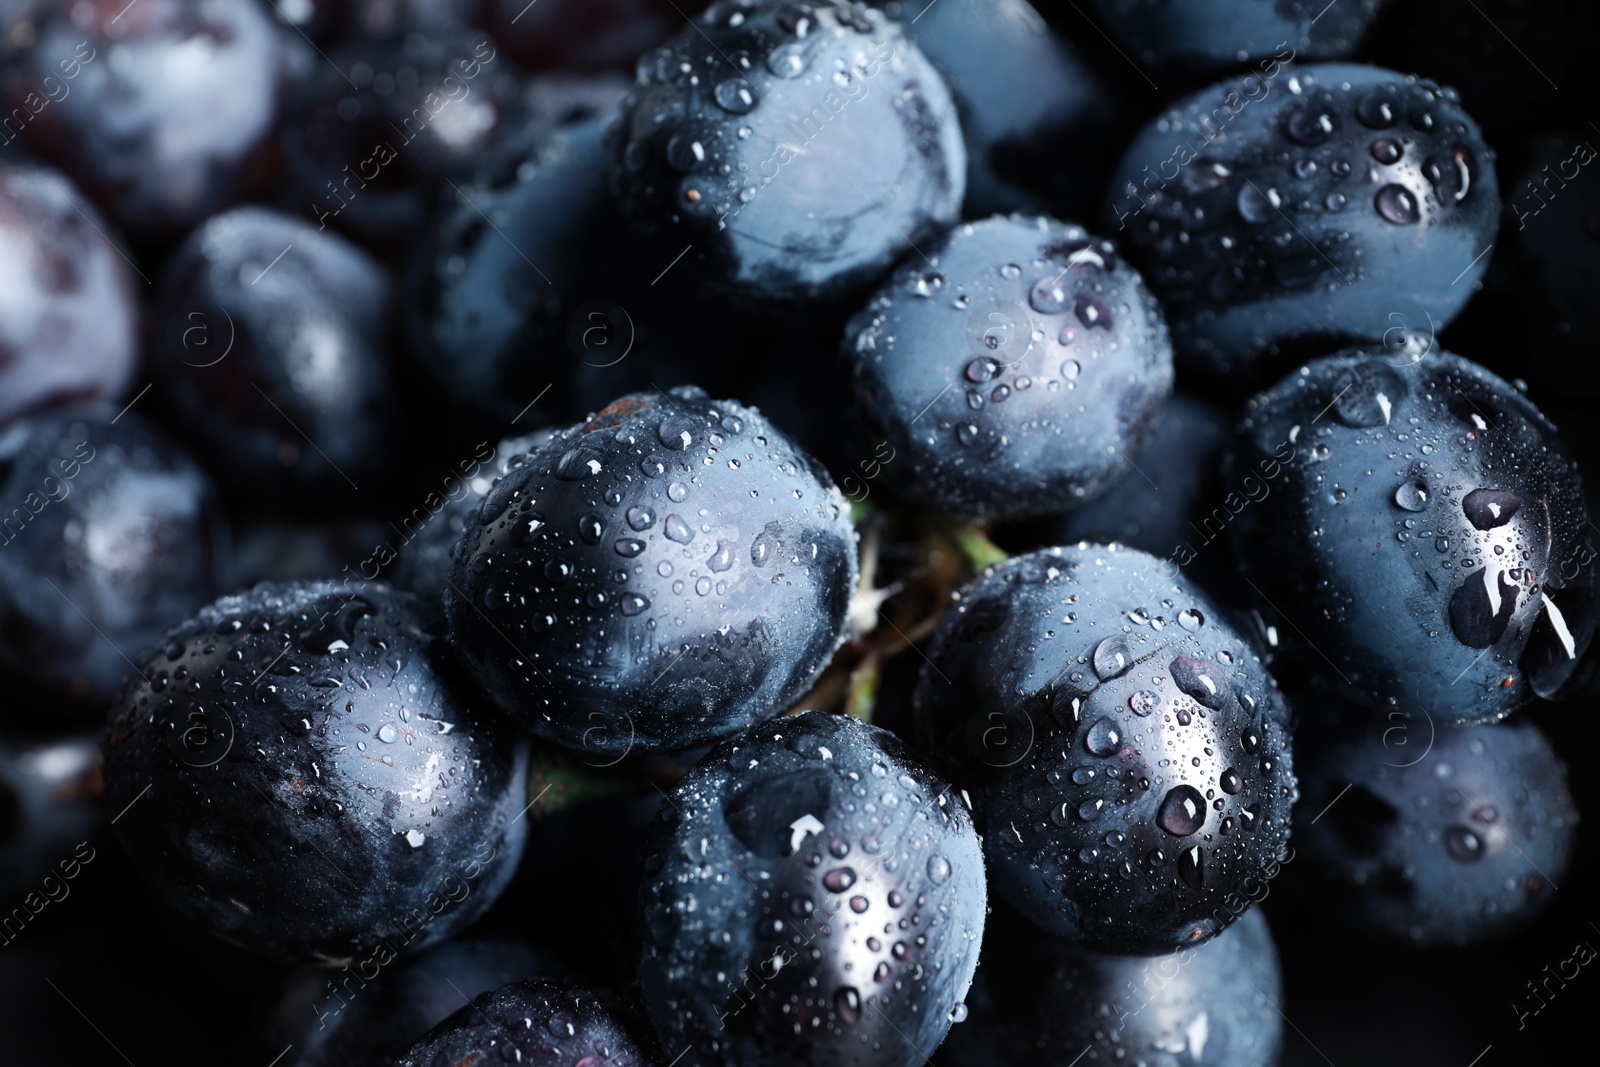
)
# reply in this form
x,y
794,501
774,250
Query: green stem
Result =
x,y
557,780
980,552
863,692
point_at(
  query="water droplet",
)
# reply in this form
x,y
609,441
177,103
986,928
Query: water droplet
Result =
x,y
1463,844
677,530
1182,812
736,96
1366,395
1111,657
632,604
676,432
766,545
839,879
1310,125
1488,508
1378,110
847,1004
981,369
938,870
1191,619
796,18
1395,203
1256,205
1387,151
958,1014
1144,702
1450,176
1191,867
1230,781
1093,313
1201,682
686,151
1412,496
1481,608
1049,295
787,61
575,466
628,547
388,734
590,528
1102,738
722,558
641,518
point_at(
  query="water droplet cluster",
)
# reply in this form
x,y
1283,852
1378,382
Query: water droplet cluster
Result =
x,y
799,148
812,881
313,775
1427,536
1273,213
540,1023
1462,844
661,575
1126,750
1020,367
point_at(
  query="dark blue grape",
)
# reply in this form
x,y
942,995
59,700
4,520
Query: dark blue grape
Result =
x,y
1426,542
1126,750
1301,208
813,896
796,156
304,778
